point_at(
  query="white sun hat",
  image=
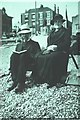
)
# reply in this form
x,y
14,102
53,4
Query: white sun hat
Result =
x,y
24,26
24,32
24,29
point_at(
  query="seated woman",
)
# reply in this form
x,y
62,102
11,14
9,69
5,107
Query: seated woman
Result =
x,y
52,62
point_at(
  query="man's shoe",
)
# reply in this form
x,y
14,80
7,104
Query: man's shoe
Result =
x,y
20,89
12,87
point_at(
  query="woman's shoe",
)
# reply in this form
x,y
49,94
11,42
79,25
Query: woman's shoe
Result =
x,y
51,85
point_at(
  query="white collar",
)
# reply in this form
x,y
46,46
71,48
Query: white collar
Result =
x,y
57,29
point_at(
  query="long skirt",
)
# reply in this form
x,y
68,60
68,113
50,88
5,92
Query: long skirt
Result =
x,y
51,67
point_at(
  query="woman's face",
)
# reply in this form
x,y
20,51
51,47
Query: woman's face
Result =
x,y
58,23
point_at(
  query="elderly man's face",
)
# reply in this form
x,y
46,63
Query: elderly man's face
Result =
x,y
58,23
23,36
26,36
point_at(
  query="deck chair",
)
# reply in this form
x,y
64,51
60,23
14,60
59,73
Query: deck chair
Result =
x,y
75,63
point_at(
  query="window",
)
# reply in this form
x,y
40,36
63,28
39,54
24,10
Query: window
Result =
x,y
33,16
48,14
26,20
41,22
48,21
77,26
26,15
33,23
41,14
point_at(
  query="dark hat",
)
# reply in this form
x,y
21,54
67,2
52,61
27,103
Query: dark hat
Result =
x,y
58,17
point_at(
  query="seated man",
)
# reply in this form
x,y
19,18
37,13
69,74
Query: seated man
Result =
x,y
52,63
21,59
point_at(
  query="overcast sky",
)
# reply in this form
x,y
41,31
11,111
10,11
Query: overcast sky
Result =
x,y
16,7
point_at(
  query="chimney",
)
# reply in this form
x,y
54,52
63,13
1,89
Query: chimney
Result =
x,y
41,6
57,10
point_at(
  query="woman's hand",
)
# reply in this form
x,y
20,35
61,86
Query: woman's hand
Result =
x,y
46,51
52,47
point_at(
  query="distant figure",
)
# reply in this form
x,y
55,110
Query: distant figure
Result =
x,y
78,41
22,59
75,49
78,48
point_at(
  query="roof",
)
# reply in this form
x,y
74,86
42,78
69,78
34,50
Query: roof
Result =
x,y
74,16
7,15
40,9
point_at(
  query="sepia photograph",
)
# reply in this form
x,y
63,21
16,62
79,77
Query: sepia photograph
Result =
x,y
39,59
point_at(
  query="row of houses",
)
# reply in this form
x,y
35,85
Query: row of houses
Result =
x,y
38,19
5,23
41,19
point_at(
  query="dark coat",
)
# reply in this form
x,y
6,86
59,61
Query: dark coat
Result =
x,y
52,66
20,63
32,47
61,38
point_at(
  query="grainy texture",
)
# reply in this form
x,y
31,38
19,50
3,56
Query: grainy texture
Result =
x,y
37,101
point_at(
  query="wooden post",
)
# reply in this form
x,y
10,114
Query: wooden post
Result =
x,y
79,16
35,19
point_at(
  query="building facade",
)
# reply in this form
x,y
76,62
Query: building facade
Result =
x,y
0,23
5,23
79,16
75,25
76,22
38,19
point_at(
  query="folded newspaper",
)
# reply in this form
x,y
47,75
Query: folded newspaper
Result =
x,y
19,52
